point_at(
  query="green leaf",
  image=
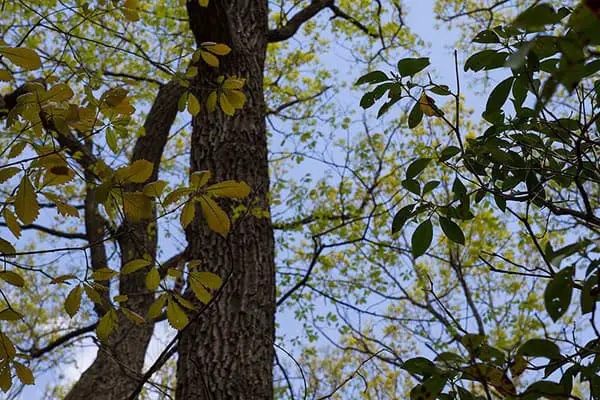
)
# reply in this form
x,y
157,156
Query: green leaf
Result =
x,y
207,279
419,365
26,204
73,301
12,278
372,77
8,314
22,57
537,15
429,186
449,152
152,279
23,373
452,230
415,117
422,238
401,217
589,294
540,348
416,167
486,60
411,66
412,186
499,95
429,389
487,36
558,293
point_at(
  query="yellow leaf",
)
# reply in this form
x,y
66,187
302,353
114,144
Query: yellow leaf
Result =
x,y
236,98
73,301
107,324
219,49
24,373
216,218
209,58
12,278
92,294
121,298
136,206
6,247
155,309
176,316
152,279
5,377
226,105
8,314
233,83
199,178
211,101
63,279
103,274
138,172
200,291
428,107
7,349
174,273
134,265
154,189
26,204
66,210
185,302
187,213
132,315
207,279
24,58
12,223
130,15
7,173
229,189
5,76
203,3
193,105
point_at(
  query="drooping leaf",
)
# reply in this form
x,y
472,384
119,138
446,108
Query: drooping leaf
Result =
x,y
452,230
23,373
177,318
26,204
558,293
401,217
216,218
11,222
133,316
193,105
152,279
415,117
188,212
73,301
499,95
422,238
107,324
156,308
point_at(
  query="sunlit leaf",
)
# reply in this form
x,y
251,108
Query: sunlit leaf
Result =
x,y
187,213
229,189
134,265
26,204
138,172
11,222
152,279
154,189
176,316
216,218
107,324
103,274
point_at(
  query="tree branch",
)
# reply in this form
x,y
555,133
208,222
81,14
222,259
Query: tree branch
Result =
x,y
50,231
289,29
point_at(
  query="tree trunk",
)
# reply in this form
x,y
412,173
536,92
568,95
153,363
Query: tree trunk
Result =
x,y
227,352
117,369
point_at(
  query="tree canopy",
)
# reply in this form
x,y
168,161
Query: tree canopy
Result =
x,y
177,174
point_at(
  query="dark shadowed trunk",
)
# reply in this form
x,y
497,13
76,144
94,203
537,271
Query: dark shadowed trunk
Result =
x,y
227,353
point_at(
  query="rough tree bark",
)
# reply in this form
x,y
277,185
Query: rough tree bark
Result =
x,y
227,352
